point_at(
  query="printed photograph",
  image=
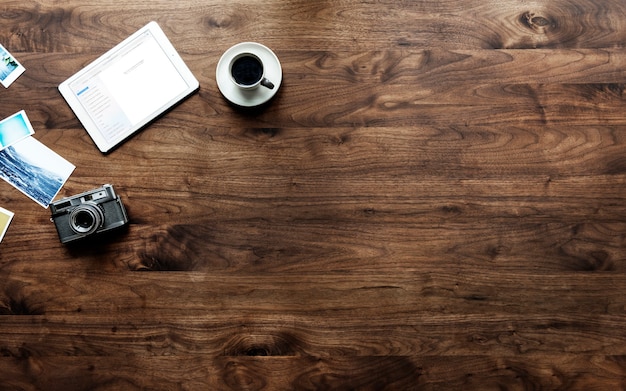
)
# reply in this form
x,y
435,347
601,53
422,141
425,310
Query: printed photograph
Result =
x,y
35,170
5,219
14,129
10,68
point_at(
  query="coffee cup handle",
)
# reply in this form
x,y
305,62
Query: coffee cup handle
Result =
x,y
266,83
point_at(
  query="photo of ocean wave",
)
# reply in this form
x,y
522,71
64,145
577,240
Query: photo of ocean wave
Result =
x,y
35,170
10,68
7,65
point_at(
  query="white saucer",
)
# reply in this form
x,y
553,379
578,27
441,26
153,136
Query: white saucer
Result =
x,y
249,98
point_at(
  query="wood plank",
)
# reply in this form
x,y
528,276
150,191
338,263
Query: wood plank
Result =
x,y
336,242
394,297
430,373
458,24
282,335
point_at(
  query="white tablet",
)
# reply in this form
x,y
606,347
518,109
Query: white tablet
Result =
x,y
128,87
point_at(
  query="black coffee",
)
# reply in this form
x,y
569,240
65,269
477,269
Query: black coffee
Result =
x,y
247,70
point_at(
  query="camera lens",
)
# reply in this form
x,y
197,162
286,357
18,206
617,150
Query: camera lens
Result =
x,y
86,219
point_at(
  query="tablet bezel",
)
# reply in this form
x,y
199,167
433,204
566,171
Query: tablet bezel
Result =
x,y
81,113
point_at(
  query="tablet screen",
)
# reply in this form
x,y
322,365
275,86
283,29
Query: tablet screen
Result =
x,y
128,87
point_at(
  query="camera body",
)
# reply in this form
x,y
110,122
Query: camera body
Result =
x,y
88,213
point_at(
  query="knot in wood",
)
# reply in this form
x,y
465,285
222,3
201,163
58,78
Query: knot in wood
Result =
x,y
536,22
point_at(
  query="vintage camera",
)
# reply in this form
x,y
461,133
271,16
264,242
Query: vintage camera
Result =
x,y
88,213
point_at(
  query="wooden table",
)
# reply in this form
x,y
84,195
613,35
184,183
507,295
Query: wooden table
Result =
x,y
434,200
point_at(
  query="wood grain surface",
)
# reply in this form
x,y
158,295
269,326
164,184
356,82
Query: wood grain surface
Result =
x,y
434,200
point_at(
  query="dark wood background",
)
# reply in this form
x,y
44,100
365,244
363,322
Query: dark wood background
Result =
x,y
435,200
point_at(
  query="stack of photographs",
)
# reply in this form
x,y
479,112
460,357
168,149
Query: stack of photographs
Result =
x,y
26,163
29,165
